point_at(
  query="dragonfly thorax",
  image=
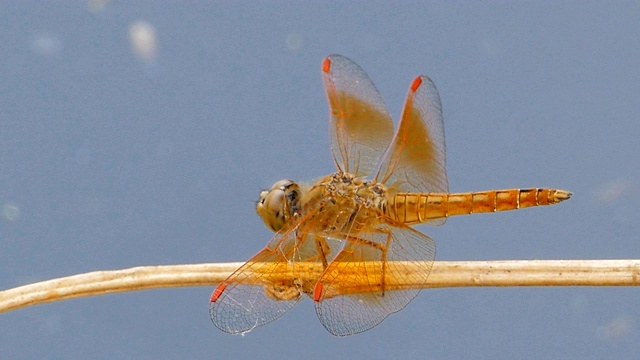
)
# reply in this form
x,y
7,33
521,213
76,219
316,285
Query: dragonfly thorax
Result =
x,y
364,193
344,203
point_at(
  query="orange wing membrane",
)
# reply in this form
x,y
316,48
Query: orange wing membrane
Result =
x,y
360,125
346,241
415,160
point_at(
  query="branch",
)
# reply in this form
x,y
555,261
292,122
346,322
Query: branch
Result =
x,y
443,274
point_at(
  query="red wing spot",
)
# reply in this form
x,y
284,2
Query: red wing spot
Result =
x,y
217,292
326,65
416,84
317,292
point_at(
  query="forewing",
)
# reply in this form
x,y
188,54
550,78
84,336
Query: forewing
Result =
x,y
415,160
253,296
360,125
356,292
269,284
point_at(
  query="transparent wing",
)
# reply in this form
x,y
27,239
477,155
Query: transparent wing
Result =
x,y
360,126
268,285
240,303
415,159
356,292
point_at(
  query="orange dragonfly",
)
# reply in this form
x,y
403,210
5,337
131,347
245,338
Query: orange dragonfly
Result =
x,y
353,226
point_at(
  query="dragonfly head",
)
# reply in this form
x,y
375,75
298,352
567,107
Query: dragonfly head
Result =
x,y
278,204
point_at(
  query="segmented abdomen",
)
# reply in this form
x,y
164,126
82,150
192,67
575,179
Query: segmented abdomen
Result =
x,y
414,208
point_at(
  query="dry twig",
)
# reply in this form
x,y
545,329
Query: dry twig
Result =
x,y
443,274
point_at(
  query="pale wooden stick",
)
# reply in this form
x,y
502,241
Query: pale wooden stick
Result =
x,y
443,274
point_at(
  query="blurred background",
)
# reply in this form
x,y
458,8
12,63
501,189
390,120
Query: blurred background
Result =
x,y
140,133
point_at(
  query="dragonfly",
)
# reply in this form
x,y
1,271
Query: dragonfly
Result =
x,y
346,240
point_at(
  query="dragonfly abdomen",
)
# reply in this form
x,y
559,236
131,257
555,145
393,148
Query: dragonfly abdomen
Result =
x,y
414,208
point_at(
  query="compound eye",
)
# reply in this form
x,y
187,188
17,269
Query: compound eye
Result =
x,y
270,207
263,195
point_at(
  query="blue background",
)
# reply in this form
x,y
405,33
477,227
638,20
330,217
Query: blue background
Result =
x,y
110,162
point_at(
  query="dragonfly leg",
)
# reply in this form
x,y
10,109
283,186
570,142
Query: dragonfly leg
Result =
x,y
383,248
323,249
